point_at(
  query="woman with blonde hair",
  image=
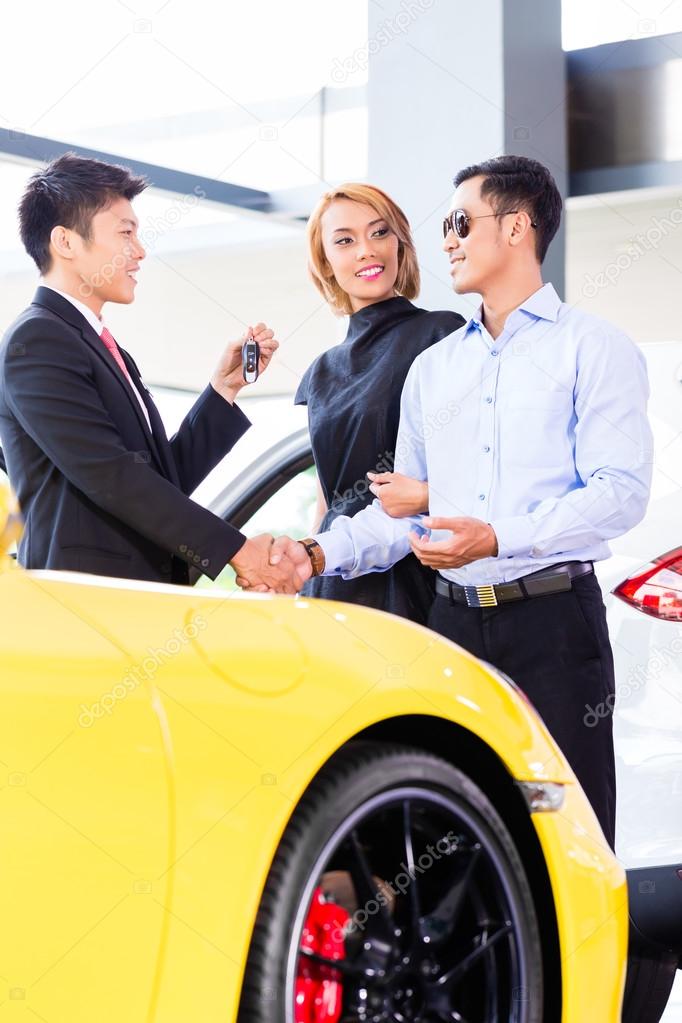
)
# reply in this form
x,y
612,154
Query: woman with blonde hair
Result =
x,y
362,259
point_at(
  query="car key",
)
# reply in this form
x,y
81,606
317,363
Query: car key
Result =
x,y
250,359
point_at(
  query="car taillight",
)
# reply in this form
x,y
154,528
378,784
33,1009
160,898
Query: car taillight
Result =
x,y
656,588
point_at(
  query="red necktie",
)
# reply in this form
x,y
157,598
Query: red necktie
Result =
x,y
110,343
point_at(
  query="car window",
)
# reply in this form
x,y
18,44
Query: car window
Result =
x,y
290,511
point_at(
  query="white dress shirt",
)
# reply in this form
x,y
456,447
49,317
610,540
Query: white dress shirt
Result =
x,y
541,432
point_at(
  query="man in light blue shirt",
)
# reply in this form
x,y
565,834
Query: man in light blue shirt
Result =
x,y
529,424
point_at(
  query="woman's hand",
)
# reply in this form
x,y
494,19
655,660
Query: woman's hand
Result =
x,y
400,495
228,378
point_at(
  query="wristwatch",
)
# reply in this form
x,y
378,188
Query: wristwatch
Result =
x,y
315,553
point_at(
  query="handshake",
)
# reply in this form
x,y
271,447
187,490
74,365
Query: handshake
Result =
x,y
266,565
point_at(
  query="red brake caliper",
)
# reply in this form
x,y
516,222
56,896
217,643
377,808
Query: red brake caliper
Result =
x,y
319,991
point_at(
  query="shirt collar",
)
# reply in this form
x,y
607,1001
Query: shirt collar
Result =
x,y
84,310
543,304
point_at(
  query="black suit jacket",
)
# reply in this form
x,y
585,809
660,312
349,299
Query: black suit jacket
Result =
x,y
100,491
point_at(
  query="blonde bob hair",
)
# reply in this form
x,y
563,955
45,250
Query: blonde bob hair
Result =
x,y
407,281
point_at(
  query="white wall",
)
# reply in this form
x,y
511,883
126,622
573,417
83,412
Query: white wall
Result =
x,y
624,260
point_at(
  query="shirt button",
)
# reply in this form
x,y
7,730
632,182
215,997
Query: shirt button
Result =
x,y
486,448
481,497
494,351
488,400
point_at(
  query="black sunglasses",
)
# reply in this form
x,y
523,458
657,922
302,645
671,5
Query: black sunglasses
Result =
x,y
458,221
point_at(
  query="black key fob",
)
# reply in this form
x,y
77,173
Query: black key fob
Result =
x,y
250,359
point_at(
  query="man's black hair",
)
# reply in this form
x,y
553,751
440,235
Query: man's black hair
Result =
x,y
516,182
68,193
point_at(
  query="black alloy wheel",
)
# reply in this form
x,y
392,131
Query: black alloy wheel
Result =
x,y
397,895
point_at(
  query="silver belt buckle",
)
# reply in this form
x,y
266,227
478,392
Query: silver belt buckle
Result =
x,y
480,596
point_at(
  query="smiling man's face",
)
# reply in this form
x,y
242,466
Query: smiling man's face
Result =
x,y
106,263
485,253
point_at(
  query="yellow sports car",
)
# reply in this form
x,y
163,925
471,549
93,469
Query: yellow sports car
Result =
x,y
275,810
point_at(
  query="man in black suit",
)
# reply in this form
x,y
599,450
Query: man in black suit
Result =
x,y
101,488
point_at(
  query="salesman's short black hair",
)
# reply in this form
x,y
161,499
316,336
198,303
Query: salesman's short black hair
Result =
x,y
516,182
68,193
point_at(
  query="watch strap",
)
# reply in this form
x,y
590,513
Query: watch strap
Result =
x,y
315,553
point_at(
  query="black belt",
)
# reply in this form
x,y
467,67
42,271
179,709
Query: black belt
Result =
x,y
554,579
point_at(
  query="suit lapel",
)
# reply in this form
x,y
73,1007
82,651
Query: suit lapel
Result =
x,y
55,303
158,430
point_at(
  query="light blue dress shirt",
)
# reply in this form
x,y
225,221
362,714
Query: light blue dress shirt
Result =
x,y
541,432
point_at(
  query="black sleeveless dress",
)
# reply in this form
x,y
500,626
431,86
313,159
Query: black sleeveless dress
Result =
x,y
353,396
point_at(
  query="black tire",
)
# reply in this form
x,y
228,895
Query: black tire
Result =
x,y
468,936
650,977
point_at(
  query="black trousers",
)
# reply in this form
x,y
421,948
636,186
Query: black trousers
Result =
x,y
557,649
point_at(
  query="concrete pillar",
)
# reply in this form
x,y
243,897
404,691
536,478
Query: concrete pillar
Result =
x,y
453,83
